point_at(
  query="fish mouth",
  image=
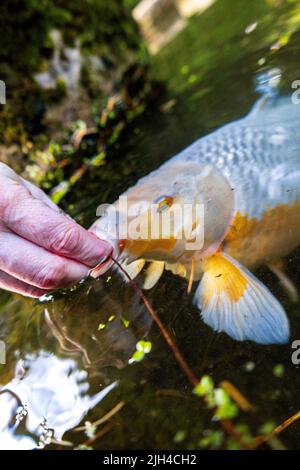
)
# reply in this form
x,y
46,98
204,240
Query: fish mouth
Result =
x,y
163,234
147,249
167,245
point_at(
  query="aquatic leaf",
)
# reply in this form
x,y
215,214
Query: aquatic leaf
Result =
x,y
233,445
211,439
179,437
144,346
125,322
249,366
244,431
226,409
137,356
205,386
98,160
90,429
278,370
268,427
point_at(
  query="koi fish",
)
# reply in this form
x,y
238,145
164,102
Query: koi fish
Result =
x,y
246,176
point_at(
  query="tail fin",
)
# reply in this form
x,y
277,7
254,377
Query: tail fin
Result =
x,y
233,300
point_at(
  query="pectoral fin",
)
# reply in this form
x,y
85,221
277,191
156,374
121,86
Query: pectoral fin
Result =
x,y
233,300
285,281
153,274
134,268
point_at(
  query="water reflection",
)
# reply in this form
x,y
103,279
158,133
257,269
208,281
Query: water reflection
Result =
x,y
213,71
49,394
102,322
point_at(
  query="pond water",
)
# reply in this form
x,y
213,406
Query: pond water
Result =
x,y
70,360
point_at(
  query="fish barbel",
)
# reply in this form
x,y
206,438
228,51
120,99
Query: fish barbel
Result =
x,y
245,177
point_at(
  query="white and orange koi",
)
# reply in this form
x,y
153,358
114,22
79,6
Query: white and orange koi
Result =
x,y
247,176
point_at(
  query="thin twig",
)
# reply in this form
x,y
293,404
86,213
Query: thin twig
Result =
x,y
237,396
287,423
104,418
99,434
227,424
230,429
259,440
181,361
61,443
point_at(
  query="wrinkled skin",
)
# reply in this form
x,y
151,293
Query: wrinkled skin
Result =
x,y
41,248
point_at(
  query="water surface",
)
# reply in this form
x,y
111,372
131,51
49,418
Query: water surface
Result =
x,y
68,359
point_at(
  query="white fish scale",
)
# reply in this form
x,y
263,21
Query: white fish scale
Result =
x,y
258,154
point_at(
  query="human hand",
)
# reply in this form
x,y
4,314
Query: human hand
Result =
x,y
41,248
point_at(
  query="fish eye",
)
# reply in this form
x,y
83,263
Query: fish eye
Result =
x,y
164,202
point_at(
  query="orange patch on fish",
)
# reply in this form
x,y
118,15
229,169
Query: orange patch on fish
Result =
x,y
254,241
138,247
222,276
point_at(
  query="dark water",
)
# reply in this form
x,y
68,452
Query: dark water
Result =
x,y
71,349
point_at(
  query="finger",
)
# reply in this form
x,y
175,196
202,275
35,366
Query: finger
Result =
x,y
32,219
36,266
12,284
7,172
39,194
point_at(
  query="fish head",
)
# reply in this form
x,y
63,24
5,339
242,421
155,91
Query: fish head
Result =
x,y
180,210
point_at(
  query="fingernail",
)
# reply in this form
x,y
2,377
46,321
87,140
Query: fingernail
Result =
x,y
97,270
106,247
